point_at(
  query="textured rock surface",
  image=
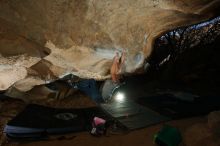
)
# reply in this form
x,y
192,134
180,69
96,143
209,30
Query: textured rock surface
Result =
x,y
214,122
205,133
83,35
200,135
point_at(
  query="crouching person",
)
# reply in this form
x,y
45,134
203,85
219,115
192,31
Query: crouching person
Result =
x,y
88,86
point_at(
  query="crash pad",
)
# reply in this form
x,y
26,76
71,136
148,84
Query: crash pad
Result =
x,y
36,121
132,115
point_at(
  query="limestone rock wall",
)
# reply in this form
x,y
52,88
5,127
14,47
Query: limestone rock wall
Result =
x,y
42,40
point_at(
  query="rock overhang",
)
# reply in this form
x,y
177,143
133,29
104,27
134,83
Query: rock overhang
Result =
x,y
84,35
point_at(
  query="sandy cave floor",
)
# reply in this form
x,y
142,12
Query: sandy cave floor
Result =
x,y
10,107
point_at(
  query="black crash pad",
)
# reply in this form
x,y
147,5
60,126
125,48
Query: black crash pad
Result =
x,y
176,108
132,115
36,120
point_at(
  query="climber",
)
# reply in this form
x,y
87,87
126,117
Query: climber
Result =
x,y
114,83
116,67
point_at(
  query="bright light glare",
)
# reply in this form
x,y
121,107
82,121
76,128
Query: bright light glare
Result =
x,y
119,97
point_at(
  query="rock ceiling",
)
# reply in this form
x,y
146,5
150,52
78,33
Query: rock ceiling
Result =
x,y
43,40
